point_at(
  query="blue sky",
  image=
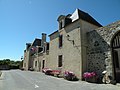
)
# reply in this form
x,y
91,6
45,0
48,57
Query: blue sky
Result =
x,y
22,21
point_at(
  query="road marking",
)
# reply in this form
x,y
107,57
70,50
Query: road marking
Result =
x,y
36,86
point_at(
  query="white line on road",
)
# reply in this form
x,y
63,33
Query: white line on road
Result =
x,y
36,86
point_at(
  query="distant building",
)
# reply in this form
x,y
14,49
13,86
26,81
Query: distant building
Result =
x,y
42,56
35,53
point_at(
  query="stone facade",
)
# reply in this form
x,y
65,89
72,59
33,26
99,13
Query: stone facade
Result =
x,y
99,51
74,43
40,60
35,53
26,56
80,45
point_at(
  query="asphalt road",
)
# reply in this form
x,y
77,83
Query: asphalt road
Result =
x,y
26,80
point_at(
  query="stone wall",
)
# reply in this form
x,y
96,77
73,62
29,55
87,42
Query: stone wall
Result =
x,y
96,52
73,49
26,60
70,49
99,51
39,59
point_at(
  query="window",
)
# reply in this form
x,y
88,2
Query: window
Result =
x,y
60,40
60,61
47,46
43,64
40,49
35,63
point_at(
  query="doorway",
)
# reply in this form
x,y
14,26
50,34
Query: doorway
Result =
x,y
116,56
43,64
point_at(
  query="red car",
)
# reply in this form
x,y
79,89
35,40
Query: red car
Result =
x,y
49,71
44,70
55,72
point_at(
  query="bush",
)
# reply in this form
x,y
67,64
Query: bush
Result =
x,y
89,74
90,77
70,76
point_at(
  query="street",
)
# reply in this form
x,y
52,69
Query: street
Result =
x,y
27,80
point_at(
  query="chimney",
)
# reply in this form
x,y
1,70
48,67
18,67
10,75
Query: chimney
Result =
x,y
43,39
28,45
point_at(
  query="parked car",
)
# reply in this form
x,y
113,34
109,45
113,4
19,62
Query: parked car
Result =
x,y
49,71
45,69
55,73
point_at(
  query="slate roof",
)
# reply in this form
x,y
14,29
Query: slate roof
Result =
x,y
79,14
53,33
37,42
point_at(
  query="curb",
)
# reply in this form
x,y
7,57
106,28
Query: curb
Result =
x,y
0,73
1,77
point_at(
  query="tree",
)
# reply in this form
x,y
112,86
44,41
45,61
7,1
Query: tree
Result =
x,y
11,63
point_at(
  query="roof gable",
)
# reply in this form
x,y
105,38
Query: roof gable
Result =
x,y
79,14
36,42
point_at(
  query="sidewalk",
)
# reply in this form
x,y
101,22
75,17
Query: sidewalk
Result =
x,y
118,84
0,73
92,86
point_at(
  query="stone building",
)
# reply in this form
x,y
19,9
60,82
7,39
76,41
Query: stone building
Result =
x,y
40,58
103,50
79,45
26,56
35,54
30,50
82,45
68,45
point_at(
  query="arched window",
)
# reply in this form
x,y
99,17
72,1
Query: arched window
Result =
x,y
116,41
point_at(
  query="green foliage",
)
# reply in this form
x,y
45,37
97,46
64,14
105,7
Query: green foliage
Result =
x,y
12,64
5,62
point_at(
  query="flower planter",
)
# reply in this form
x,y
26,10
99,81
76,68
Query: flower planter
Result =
x,y
90,77
91,80
70,76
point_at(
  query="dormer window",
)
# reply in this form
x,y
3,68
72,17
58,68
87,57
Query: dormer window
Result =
x,y
61,21
64,20
67,21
